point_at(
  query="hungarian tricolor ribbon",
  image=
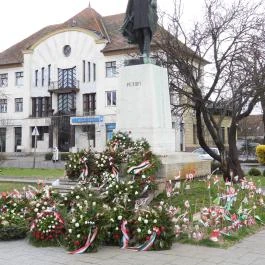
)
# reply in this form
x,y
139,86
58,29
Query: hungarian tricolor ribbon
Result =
x,y
115,172
139,168
147,244
88,243
125,236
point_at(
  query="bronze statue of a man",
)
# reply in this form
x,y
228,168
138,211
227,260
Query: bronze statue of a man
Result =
x,y
140,23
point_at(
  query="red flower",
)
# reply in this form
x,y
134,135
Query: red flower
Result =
x,y
147,238
116,236
77,243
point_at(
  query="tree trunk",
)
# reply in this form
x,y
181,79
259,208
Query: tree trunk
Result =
x,y
233,158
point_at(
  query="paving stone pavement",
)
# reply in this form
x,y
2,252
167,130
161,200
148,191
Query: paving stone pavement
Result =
x,y
251,251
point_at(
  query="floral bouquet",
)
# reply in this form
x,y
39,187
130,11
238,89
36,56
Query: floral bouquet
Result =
x,y
114,218
84,221
12,225
47,229
153,229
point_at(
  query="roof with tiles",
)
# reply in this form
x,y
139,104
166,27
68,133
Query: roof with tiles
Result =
x,y
105,27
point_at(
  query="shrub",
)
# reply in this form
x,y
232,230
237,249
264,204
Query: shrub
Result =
x,y
48,156
260,152
64,156
2,157
254,172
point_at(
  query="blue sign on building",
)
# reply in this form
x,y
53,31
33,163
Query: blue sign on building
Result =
x,y
86,120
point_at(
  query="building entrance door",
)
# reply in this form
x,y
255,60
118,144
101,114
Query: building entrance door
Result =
x,y
18,136
64,134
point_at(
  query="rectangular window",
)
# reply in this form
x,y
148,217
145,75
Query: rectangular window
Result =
x,y
2,140
91,134
36,77
49,75
110,127
89,71
18,138
194,134
3,105
19,78
94,72
18,104
42,76
111,98
89,103
84,71
111,69
3,80
40,107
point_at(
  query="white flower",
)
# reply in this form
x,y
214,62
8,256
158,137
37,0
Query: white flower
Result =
x,y
119,217
36,210
149,232
117,228
145,221
136,192
139,218
73,220
76,224
114,209
77,197
94,203
70,231
45,203
37,205
112,220
143,176
78,236
90,195
162,203
139,230
155,221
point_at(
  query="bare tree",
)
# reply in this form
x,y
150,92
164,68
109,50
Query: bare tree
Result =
x,y
225,42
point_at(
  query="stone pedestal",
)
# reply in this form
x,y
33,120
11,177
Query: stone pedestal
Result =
x,y
181,162
144,110
144,107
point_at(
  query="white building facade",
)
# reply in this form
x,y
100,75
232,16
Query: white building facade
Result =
x,y
63,80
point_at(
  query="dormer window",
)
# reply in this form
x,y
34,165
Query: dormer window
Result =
x,y
67,50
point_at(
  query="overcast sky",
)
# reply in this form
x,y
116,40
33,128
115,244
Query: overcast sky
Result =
x,y
21,18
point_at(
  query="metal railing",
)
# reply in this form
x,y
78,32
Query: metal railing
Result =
x,y
56,85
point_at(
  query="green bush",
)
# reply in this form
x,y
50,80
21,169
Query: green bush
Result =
x,y
260,153
254,172
64,156
2,157
48,156
263,173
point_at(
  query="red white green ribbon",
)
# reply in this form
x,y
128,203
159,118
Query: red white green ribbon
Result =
x,y
125,236
88,243
149,243
139,168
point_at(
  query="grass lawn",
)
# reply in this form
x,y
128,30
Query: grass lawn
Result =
x,y
6,186
199,196
43,173
260,180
